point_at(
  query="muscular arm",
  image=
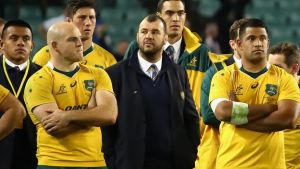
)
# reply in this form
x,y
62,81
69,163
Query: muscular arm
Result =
x,y
43,111
13,114
224,110
103,113
284,118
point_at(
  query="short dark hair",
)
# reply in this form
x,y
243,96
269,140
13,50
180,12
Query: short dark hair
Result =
x,y
16,22
290,51
234,28
154,17
254,23
74,5
160,4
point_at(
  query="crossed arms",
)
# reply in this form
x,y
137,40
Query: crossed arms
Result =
x,y
13,114
101,111
263,117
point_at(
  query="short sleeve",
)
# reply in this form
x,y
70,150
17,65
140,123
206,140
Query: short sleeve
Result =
x,y
289,88
220,85
38,91
103,81
42,57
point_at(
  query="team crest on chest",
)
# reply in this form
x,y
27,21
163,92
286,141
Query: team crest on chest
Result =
x,y
271,89
89,84
193,62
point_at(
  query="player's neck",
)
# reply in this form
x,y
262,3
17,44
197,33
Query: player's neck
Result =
x,y
18,61
254,68
152,58
64,66
87,44
174,39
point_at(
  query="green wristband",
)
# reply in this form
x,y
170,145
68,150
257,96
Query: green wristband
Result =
x,y
239,115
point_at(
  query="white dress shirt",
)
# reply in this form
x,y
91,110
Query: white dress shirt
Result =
x,y
145,65
176,46
11,64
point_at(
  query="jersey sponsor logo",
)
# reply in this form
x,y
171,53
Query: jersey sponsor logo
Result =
x,y
254,85
89,84
62,90
271,89
76,107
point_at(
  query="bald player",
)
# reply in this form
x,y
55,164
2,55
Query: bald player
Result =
x,y
68,101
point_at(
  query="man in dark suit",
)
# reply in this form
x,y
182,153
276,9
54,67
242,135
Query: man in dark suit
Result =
x,y
158,125
17,150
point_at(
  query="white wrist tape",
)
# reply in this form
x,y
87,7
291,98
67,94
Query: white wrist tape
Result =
x,y
239,115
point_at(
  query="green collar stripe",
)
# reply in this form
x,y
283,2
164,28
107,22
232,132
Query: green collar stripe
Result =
x,y
254,75
69,74
89,50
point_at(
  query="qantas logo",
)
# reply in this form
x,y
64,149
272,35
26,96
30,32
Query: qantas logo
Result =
x,y
76,107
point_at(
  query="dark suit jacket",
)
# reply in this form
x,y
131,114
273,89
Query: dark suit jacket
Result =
x,y
18,149
124,142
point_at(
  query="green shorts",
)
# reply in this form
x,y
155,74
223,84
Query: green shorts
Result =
x,y
51,167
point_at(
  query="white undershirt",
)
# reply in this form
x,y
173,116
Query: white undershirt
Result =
x,y
144,64
21,66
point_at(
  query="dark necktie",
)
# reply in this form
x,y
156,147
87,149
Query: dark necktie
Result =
x,y
17,68
153,70
170,52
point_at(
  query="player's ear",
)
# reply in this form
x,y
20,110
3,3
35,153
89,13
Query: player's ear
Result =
x,y
54,45
68,19
231,44
295,68
239,43
32,45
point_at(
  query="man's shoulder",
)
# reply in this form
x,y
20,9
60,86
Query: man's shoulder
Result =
x,y
177,70
42,75
44,50
42,56
34,67
43,71
227,71
211,72
100,49
275,70
90,69
107,57
120,66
